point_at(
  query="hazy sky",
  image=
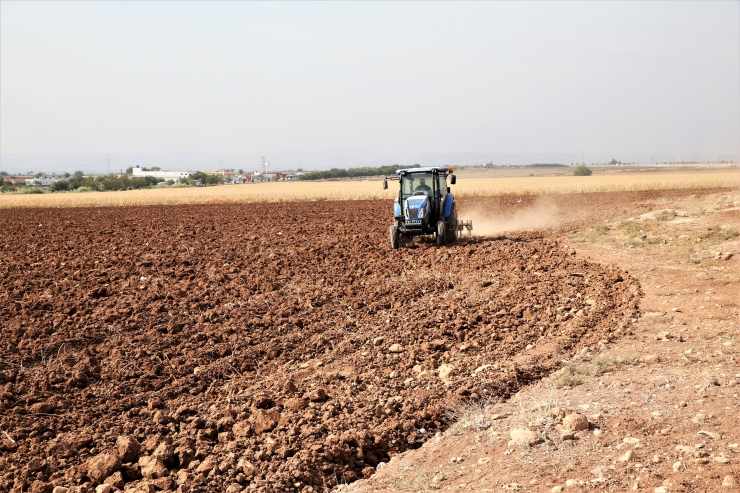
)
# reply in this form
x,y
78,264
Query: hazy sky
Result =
x,y
231,77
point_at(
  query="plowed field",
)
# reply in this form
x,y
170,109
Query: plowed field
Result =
x,y
284,346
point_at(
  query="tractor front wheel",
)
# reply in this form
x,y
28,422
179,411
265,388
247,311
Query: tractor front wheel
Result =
x,y
441,233
395,237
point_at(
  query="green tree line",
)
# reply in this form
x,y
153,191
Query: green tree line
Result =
x,y
110,182
352,172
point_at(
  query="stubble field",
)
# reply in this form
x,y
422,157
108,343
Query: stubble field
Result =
x,y
480,184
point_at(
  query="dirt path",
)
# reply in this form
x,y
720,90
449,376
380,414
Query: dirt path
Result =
x,y
662,403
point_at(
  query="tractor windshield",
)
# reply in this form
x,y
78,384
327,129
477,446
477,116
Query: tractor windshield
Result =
x,y
416,184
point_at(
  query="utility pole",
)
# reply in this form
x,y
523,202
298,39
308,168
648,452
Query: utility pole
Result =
x,y
108,160
583,157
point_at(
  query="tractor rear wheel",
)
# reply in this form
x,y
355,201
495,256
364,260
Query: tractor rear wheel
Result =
x,y
395,237
452,225
441,233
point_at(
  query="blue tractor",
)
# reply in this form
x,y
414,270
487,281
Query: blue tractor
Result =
x,y
425,206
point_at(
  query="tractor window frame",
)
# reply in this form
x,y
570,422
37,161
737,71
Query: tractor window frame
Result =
x,y
442,184
414,179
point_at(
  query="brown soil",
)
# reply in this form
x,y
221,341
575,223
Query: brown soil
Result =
x,y
274,347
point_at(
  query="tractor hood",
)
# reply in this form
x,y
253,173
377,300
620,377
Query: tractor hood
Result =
x,y
417,207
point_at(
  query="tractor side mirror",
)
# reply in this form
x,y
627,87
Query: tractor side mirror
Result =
x,y
385,184
453,179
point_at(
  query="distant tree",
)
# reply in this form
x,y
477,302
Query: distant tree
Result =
x,y
241,171
2,179
199,177
79,175
38,175
67,175
300,170
7,188
130,170
59,186
276,178
582,170
214,179
3,173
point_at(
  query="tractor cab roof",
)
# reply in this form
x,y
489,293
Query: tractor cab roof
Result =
x,y
424,170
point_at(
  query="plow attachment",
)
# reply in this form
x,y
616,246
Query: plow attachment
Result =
x,y
463,225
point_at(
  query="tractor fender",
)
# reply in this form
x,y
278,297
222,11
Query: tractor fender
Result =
x,y
397,210
449,199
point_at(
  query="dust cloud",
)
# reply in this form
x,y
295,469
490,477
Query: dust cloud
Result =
x,y
543,213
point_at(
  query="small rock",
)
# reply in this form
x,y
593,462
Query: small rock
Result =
x,y
155,403
570,482
711,434
722,458
484,460
233,488
723,256
207,465
265,419
60,489
677,465
160,418
660,489
165,483
628,456
600,471
115,480
729,482
524,436
128,448
243,429
152,468
35,464
575,422
631,440
556,489
685,449
395,348
561,412
656,459
652,359
103,488
664,336
444,371
316,395
102,465
568,435
597,432
164,452
378,341
39,487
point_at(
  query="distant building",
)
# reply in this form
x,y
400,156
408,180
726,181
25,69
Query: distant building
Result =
x,y
162,175
17,179
41,182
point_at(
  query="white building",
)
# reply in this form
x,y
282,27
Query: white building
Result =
x,y
162,175
41,182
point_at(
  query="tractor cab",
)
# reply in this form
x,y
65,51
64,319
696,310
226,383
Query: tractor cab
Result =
x,y
424,205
